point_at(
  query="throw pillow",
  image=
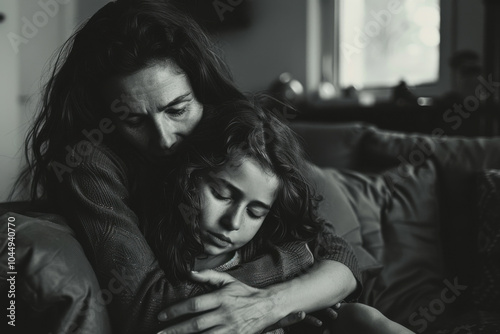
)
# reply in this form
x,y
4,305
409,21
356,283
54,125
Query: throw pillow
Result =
x,y
396,221
340,210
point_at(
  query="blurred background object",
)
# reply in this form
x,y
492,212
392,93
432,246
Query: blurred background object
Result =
x,y
289,89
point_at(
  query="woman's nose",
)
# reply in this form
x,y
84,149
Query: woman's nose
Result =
x,y
165,134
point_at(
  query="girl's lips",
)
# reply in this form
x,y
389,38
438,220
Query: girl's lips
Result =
x,y
219,239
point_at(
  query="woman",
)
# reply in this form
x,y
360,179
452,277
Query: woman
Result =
x,y
126,91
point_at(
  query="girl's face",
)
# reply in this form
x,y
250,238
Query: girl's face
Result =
x,y
154,108
234,203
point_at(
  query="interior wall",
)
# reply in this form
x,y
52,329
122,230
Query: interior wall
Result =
x,y
470,25
274,43
40,28
10,139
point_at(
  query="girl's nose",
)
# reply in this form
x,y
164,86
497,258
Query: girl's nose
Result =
x,y
232,218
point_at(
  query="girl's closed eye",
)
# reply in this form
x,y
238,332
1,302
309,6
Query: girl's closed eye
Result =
x,y
219,195
255,215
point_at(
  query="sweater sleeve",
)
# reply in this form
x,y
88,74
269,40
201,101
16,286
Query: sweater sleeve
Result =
x,y
329,246
95,198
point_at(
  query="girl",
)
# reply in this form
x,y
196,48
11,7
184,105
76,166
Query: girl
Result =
x,y
239,190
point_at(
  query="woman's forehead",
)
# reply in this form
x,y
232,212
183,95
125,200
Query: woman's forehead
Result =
x,y
159,83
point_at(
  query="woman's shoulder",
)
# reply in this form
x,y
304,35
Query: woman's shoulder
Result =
x,y
86,158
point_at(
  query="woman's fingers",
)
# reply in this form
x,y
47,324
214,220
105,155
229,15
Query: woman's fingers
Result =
x,y
189,306
212,277
201,303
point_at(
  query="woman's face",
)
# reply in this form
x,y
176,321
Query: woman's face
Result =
x,y
234,203
154,108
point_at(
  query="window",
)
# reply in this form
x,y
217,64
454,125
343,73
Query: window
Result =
x,y
385,41
374,44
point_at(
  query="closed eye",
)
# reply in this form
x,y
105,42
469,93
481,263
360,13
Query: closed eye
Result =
x,y
218,195
135,121
253,215
176,112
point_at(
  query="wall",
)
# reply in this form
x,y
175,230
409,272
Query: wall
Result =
x,y
470,25
275,43
42,26
10,139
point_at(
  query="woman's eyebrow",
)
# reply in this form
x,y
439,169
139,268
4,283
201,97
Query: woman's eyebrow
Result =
x,y
237,190
177,100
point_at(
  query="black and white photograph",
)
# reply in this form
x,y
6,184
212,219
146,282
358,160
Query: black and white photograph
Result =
x,y
250,166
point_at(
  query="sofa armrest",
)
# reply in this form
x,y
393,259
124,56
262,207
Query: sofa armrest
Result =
x,y
55,288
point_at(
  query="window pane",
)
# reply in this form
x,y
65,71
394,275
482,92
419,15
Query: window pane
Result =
x,y
385,41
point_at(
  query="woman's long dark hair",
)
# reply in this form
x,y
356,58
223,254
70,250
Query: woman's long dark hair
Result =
x,y
123,37
238,130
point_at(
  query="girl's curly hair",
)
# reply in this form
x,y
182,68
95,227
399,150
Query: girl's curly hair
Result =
x,y
239,130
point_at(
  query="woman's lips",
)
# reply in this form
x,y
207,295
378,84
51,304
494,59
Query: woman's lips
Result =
x,y
219,239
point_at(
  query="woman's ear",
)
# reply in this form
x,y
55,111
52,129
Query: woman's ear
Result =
x,y
192,174
189,171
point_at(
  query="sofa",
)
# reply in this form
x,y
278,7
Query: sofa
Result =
x,y
422,214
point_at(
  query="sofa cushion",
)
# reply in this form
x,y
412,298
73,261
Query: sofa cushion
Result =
x,y
332,145
486,290
457,160
340,210
394,218
413,272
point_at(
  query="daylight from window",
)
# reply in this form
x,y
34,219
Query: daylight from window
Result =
x,y
385,41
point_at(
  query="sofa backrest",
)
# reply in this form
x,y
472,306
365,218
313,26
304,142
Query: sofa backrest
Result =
x,y
458,161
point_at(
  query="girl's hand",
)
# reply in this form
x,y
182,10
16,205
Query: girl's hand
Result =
x,y
322,320
325,318
234,308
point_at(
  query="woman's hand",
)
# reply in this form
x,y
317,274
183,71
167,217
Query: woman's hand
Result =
x,y
234,308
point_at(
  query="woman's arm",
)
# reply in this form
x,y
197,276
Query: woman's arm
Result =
x,y
95,199
238,308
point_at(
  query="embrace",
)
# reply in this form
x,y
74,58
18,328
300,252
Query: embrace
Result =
x,y
196,191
